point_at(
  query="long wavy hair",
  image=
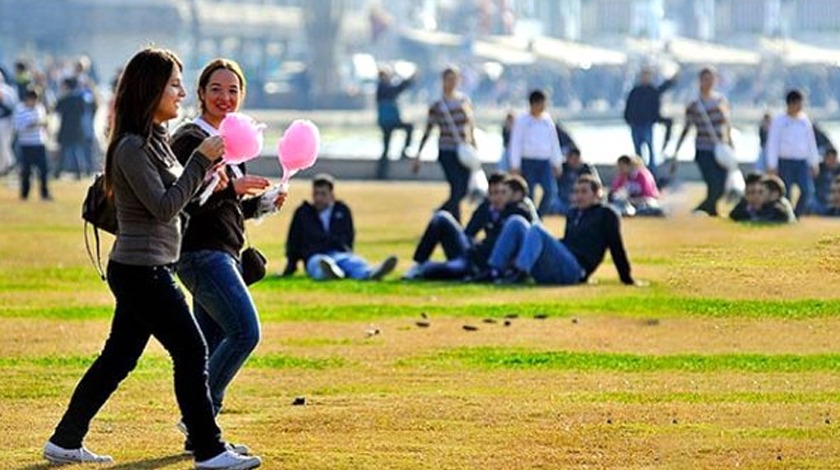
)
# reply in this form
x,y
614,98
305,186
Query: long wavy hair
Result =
x,y
141,86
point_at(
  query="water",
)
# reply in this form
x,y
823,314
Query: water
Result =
x,y
601,143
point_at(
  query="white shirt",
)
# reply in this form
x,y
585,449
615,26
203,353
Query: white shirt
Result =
x,y
791,138
534,138
325,216
28,124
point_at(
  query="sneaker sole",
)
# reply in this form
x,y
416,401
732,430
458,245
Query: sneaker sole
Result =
x,y
329,272
55,460
387,266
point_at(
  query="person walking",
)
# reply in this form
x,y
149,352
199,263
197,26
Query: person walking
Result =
x,y
709,114
149,189
388,116
210,266
642,111
453,115
792,151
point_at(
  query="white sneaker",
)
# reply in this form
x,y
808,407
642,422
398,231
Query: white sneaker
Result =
x,y
59,455
330,269
384,268
240,449
414,272
230,461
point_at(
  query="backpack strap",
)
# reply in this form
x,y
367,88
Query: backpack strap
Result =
x,y
97,263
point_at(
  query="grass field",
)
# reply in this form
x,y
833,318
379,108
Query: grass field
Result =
x,y
729,358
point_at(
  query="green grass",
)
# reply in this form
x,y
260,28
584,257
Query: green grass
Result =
x,y
653,302
502,358
741,368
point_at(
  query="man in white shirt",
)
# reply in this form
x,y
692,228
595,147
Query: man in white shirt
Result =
x,y
792,150
535,150
8,102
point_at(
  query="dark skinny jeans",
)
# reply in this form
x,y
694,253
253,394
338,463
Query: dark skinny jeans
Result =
x,y
149,303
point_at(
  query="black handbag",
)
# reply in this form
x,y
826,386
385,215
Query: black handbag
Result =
x,y
253,265
98,210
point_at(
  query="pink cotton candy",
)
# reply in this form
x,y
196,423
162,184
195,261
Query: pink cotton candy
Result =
x,y
243,137
298,149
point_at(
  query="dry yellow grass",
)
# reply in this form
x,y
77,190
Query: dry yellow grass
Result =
x,y
403,398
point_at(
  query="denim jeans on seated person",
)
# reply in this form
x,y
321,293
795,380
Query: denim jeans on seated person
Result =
x,y
354,266
532,249
225,312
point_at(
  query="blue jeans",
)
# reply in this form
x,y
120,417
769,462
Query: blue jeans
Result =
x,y
533,250
354,266
458,178
539,173
149,303
643,137
225,312
796,172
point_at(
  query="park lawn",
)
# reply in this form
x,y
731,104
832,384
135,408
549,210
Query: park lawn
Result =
x,y
729,357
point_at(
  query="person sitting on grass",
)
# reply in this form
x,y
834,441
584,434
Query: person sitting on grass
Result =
x,y
634,190
321,235
519,201
747,208
460,246
775,207
829,170
456,240
573,168
524,250
518,204
833,207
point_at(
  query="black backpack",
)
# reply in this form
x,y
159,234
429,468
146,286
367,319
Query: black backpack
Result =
x,y
98,210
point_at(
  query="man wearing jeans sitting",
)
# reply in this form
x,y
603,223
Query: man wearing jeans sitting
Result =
x,y
321,235
530,250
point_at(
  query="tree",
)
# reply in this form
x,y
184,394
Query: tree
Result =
x,y
323,22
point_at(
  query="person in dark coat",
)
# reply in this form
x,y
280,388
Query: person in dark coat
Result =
x,y
642,111
321,235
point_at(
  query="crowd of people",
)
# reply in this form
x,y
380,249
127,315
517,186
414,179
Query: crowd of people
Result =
x,y
155,180
29,96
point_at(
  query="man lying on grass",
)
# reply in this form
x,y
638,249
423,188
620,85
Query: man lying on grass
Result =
x,y
524,250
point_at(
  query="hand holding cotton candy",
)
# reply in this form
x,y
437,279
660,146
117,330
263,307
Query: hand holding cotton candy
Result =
x,y
298,149
243,137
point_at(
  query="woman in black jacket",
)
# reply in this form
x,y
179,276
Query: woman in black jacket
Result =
x,y
210,265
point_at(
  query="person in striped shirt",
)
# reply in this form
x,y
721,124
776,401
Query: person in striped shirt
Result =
x,y
709,114
453,115
30,122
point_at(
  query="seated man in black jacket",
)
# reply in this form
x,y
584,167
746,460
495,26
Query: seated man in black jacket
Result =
x,y
775,206
530,250
747,208
321,235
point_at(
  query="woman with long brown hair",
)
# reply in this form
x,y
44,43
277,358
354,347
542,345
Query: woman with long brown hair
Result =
x,y
150,188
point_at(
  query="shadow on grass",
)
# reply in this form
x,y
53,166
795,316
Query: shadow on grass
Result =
x,y
148,464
